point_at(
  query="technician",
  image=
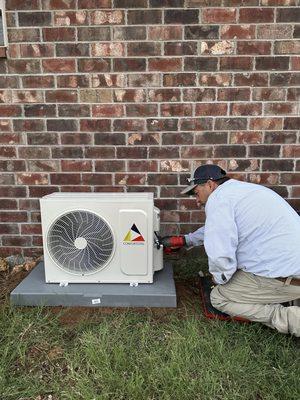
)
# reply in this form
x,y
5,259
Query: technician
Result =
x,y
252,239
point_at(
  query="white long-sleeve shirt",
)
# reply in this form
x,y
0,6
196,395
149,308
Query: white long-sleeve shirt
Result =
x,y
249,227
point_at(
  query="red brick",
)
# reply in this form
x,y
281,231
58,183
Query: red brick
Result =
x,y
92,125
165,64
59,65
113,139
256,15
230,151
42,138
251,79
200,64
264,151
295,63
65,179
130,3
12,165
230,124
288,14
222,79
277,165
141,110
58,4
290,178
72,49
76,165
23,35
28,178
111,17
43,165
161,95
111,166
22,5
245,137
74,110
210,137
169,110
61,96
234,94
246,109
10,191
199,94
266,123
38,81
164,152
237,32
40,191
195,124
8,204
211,109
59,34
147,166
34,18
179,79
93,33
34,152
100,152
285,79
62,125
67,152
162,179
13,216
39,110
177,138
244,165
131,152
165,32
31,229
23,66
128,125
254,47
218,15
70,18
76,138
27,96
139,17
287,47
129,95
293,94
196,152
280,108
97,179
111,49
10,110
291,151
129,64
170,124
9,229
94,4
273,31
11,138
235,63
201,32
130,179
72,81
181,16
179,48
268,94
8,152
291,123
16,241
108,110
143,139
36,50
280,137
272,63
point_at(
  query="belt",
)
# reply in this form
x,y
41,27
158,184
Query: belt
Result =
x,y
289,281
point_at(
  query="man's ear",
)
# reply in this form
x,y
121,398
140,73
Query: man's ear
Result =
x,y
212,185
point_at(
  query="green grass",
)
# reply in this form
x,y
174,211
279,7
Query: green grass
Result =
x,y
150,354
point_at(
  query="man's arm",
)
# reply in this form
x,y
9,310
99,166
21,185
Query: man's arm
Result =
x,y
221,240
195,238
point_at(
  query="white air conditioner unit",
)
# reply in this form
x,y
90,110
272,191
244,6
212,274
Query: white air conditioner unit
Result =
x,y
100,237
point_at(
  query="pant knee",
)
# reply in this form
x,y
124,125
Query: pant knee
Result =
x,y
217,300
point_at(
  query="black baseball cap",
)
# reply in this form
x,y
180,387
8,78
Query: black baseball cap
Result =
x,y
203,174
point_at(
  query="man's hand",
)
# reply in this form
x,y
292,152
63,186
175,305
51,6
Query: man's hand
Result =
x,y
173,242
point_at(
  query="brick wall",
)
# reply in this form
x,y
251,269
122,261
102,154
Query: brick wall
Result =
x,y
130,95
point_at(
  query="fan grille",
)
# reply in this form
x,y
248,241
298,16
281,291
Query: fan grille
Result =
x,y
80,242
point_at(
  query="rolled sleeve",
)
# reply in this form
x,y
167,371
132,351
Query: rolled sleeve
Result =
x,y
221,240
195,238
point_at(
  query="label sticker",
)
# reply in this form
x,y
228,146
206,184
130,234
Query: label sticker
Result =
x,y
96,301
134,235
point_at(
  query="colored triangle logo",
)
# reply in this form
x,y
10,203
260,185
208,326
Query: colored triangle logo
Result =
x,y
133,235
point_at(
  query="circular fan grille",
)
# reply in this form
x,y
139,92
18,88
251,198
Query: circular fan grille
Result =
x,y
80,242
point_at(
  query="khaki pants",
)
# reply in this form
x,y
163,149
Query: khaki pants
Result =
x,y
257,299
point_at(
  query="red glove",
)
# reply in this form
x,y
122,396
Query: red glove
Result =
x,y
173,241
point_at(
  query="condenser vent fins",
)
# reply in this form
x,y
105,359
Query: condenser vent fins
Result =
x,y
80,242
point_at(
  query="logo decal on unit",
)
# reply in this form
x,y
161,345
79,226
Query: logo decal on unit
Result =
x,y
134,236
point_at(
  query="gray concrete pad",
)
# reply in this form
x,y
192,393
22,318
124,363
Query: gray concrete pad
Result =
x,y
34,291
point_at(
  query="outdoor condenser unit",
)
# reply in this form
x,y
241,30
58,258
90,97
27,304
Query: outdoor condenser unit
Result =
x,y
100,237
